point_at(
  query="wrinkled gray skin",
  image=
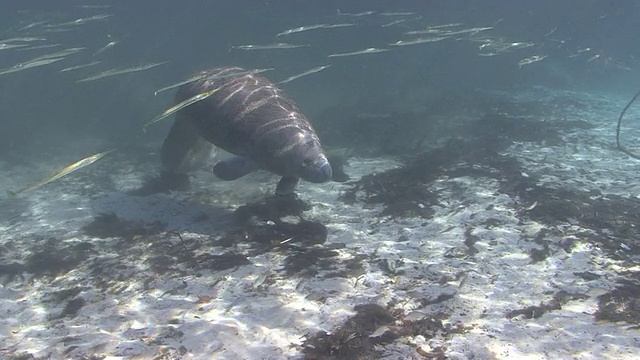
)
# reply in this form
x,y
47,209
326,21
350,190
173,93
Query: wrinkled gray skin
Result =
x,y
249,117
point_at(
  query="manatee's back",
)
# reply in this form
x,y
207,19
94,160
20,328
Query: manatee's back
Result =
x,y
247,115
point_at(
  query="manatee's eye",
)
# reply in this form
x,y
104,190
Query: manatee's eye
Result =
x,y
307,162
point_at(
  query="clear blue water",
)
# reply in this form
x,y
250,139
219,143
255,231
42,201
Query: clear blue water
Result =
x,y
44,109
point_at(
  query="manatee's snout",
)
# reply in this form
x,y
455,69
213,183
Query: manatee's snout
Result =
x,y
320,173
326,171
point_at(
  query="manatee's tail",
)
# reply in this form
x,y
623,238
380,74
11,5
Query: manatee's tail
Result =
x,y
184,150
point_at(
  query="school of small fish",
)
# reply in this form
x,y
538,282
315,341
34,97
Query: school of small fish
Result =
x,y
410,26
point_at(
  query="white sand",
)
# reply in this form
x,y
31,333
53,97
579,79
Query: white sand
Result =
x,y
256,312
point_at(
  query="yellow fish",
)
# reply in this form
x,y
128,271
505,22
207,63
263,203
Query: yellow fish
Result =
x,y
62,172
180,106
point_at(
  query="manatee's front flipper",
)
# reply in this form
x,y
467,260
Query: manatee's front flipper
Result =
x,y
337,165
287,186
233,168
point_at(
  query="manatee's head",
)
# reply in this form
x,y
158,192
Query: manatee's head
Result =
x,y
316,168
306,160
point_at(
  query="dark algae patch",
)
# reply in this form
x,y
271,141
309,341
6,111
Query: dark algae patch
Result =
x,y
533,312
71,308
221,262
272,208
404,191
352,340
622,303
276,224
11,271
604,220
110,225
52,257
364,335
309,261
164,183
610,220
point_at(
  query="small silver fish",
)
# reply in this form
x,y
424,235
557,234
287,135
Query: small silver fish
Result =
x,y
268,46
174,109
33,24
414,316
594,57
28,65
94,6
486,40
189,80
333,26
82,21
397,13
361,52
531,60
489,44
238,73
64,171
106,47
532,206
393,23
58,30
425,32
208,76
113,72
4,46
46,46
24,39
468,31
364,13
580,51
419,41
301,29
80,66
379,331
517,46
59,54
308,72
433,30
444,26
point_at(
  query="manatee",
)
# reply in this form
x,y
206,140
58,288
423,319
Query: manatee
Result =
x,y
251,118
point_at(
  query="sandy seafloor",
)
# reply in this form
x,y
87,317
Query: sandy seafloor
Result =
x,y
72,294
